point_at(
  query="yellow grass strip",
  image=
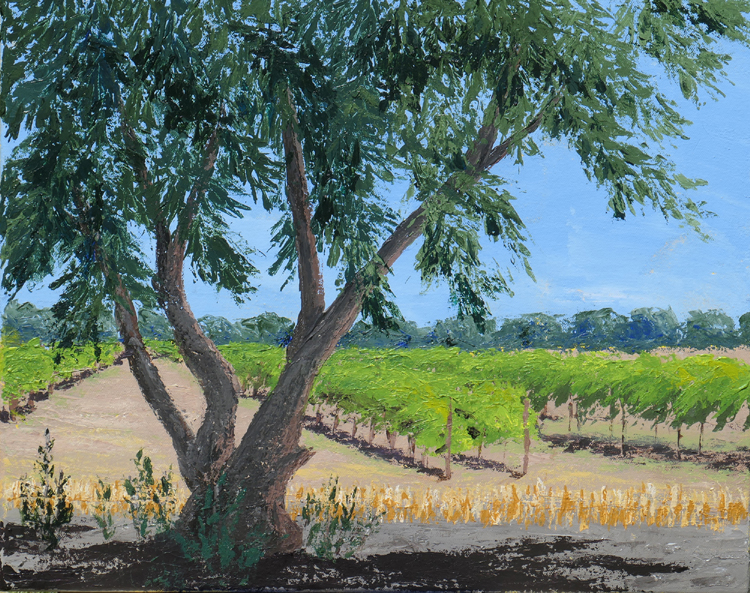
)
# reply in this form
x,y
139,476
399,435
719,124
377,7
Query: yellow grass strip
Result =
x,y
668,507
672,506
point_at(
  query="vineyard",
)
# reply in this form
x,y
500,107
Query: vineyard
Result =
x,y
31,367
447,399
450,401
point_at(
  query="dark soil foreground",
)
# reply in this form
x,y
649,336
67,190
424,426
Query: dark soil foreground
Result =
x,y
557,563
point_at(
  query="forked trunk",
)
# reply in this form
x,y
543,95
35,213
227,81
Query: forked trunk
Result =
x,y
319,415
255,477
412,445
481,441
214,441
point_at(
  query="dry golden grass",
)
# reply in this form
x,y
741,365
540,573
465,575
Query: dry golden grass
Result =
x,y
667,507
671,507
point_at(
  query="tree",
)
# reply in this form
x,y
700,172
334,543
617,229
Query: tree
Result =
x,y
712,328
165,118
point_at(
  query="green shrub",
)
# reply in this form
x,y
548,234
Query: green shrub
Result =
x,y
152,503
103,510
45,506
215,544
332,526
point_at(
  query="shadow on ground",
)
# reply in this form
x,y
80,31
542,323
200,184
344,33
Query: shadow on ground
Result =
x,y
732,460
560,563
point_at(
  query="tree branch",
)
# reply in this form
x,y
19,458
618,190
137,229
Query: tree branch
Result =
x,y
141,365
481,156
308,266
214,441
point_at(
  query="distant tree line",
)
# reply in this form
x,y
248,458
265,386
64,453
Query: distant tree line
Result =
x,y
644,329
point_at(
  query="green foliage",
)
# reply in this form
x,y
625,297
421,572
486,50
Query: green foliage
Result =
x,y
332,526
410,392
165,348
217,542
152,502
103,510
706,329
681,392
29,367
44,504
81,357
28,322
257,366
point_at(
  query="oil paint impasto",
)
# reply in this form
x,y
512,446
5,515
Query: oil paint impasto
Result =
x,y
374,295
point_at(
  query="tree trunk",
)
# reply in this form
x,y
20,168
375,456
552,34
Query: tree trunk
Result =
x,y
335,420
700,441
448,431
319,415
412,445
354,426
250,486
526,436
679,438
656,430
269,453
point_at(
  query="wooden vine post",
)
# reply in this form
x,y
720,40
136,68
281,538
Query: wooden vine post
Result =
x,y
570,413
622,434
526,435
448,430
371,436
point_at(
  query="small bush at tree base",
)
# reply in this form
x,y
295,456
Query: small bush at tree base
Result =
x,y
216,544
45,506
331,525
152,503
103,510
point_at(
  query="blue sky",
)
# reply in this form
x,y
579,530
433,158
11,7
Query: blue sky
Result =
x,y
581,257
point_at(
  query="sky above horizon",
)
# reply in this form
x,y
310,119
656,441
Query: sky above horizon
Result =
x,y
582,258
